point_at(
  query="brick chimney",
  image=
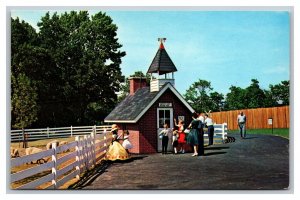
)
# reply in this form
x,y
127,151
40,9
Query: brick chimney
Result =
x,y
135,83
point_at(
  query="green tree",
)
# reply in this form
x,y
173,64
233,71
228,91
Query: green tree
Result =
x,y
24,92
217,101
87,64
36,64
74,63
254,95
235,99
198,96
278,94
24,102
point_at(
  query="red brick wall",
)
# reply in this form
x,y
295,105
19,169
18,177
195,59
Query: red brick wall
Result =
x,y
143,135
148,122
133,136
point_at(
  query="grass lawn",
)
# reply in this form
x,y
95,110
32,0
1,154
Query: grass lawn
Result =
x,y
283,132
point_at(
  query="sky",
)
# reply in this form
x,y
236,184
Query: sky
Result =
x,y
223,47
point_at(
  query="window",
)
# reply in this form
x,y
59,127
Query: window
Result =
x,y
164,118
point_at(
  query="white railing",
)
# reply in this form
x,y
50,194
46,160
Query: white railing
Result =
x,y
84,153
220,130
62,132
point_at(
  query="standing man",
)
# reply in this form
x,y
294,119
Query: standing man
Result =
x,y
210,128
242,124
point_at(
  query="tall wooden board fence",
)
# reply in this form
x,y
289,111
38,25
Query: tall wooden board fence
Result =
x,y
256,118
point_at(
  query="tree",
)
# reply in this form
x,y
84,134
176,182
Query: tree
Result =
x,y
217,101
254,96
24,102
74,64
24,92
87,60
198,96
235,99
278,94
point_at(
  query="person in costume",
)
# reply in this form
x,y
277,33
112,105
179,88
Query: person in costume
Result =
x,y
115,150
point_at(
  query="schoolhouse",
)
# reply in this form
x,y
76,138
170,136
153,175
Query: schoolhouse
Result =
x,y
147,108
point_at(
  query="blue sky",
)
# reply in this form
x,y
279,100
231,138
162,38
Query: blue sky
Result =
x,y
223,47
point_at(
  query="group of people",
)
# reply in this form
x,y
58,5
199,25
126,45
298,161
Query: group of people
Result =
x,y
191,135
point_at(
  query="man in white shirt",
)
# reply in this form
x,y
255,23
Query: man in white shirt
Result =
x,y
242,124
210,129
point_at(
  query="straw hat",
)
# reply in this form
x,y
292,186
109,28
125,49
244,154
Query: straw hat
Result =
x,y
114,127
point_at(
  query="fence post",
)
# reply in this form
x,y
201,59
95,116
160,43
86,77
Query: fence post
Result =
x,y
95,129
71,131
93,147
77,157
85,152
54,168
223,132
48,132
105,138
81,158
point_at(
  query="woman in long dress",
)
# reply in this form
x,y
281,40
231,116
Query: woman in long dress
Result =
x,y
193,136
115,150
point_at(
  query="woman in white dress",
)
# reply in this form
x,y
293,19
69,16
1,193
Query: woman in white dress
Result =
x,y
126,143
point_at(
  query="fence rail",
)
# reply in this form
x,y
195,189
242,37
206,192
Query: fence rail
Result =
x,y
84,153
48,133
256,118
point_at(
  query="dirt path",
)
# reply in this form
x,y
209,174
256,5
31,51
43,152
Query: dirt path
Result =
x,y
257,162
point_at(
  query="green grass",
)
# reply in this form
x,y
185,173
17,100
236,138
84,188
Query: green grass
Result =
x,y
283,132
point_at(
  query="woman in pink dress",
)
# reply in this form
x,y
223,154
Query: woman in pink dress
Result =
x,y
181,139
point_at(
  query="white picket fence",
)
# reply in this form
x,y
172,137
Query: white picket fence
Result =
x,y
88,150
47,133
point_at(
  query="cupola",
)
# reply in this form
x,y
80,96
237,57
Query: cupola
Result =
x,y
161,69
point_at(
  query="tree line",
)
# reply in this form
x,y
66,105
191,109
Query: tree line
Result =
x,y
201,96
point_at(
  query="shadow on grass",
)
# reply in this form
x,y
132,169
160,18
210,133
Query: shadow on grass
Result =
x,y
91,175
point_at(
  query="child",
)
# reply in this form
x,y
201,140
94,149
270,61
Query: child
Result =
x,y
175,140
165,138
126,143
181,136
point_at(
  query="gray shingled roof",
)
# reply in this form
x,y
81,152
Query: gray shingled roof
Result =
x,y
162,62
132,105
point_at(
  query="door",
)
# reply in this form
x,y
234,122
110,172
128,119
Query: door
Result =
x,y
164,115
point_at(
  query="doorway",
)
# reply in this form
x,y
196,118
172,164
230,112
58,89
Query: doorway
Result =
x,y
164,115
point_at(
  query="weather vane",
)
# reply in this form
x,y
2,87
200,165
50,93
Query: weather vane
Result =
x,y
161,40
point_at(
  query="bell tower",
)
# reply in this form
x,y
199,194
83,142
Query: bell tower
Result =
x,y
161,69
